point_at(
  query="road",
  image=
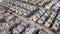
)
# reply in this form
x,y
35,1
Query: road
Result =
x,y
33,23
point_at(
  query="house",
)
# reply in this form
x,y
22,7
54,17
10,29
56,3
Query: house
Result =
x,y
2,11
6,15
35,2
26,5
20,11
57,6
17,19
47,13
26,0
44,2
36,17
12,21
2,31
51,4
9,24
42,19
2,20
38,14
31,30
53,14
24,24
25,13
14,8
41,11
18,29
56,25
10,17
58,17
49,22
7,0
58,31
42,32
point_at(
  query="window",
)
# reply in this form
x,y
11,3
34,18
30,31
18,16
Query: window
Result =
x,y
56,25
49,22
